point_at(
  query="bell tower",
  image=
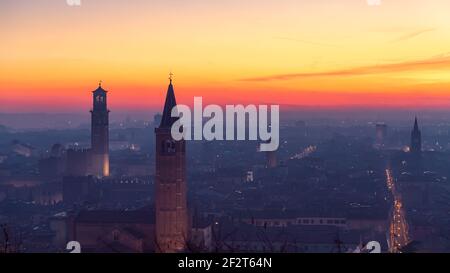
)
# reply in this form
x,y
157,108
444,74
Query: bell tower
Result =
x,y
172,231
416,139
100,133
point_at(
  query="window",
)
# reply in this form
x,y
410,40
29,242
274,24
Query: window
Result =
x,y
99,98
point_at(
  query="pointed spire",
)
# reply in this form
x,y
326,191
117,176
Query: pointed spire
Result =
x,y
167,120
416,125
416,138
170,77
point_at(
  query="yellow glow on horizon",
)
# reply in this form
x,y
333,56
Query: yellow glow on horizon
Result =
x,y
51,52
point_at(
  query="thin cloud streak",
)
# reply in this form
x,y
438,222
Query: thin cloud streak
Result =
x,y
412,35
306,42
440,61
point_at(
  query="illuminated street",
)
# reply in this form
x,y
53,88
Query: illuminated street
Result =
x,y
398,230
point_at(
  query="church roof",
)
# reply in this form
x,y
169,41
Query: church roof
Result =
x,y
99,89
167,120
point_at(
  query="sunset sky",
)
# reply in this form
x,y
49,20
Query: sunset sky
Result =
x,y
337,53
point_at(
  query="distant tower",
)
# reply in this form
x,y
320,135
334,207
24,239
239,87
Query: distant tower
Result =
x,y
171,204
381,133
416,139
271,157
100,133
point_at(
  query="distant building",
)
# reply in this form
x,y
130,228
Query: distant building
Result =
x,y
51,166
120,231
380,134
114,231
54,164
352,219
172,231
134,164
126,191
416,139
121,191
201,236
57,150
78,162
93,161
78,189
22,149
59,225
47,194
100,133
290,239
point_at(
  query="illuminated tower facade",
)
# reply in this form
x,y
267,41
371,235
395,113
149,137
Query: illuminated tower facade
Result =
x,y
416,139
100,133
172,230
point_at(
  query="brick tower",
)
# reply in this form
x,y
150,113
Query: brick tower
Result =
x,y
172,232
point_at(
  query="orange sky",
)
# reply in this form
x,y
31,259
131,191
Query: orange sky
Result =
x,y
321,52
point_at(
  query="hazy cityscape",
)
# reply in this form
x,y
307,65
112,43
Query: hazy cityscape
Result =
x,y
235,129
334,185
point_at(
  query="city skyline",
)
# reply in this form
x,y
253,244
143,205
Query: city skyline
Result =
x,y
318,53
224,127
